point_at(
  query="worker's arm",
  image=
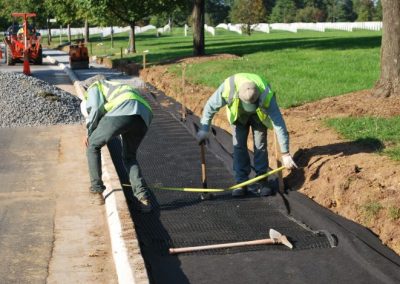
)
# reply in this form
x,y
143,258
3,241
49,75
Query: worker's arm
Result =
x,y
213,105
95,109
279,125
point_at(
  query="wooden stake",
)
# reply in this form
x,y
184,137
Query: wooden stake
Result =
x,y
183,93
278,164
203,167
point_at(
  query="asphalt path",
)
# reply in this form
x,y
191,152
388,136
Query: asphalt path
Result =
x,y
49,231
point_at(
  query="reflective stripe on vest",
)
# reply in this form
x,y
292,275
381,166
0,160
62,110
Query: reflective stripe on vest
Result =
x,y
116,93
230,94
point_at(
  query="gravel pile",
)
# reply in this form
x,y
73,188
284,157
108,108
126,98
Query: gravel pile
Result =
x,y
27,101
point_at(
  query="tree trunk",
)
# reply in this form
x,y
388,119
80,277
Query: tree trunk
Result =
x,y
389,82
48,32
198,27
132,38
69,32
86,33
112,37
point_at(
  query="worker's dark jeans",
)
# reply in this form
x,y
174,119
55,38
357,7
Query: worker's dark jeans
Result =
x,y
241,159
132,129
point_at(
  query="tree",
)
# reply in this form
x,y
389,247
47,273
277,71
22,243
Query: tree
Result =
x,y
340,10
131,12
64,11
198,27
248,12
177,17
284,11
268,5
364,10
217,12
4,22
31,6
310,14
389,82
378,11
346,12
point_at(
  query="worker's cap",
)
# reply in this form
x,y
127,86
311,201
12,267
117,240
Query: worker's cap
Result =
x,y
248,95
86,84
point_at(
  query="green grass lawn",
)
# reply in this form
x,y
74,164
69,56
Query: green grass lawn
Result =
x,y
382,134
301,67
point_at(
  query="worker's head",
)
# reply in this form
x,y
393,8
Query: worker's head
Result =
x,y
248,95
86,84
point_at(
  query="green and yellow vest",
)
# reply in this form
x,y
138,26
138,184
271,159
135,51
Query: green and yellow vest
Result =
x,y
230,94
116,93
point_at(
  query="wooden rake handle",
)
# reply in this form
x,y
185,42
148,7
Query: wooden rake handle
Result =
x,y
203,166
218,246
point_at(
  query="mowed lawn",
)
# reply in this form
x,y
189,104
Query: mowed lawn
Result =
x,y
301,67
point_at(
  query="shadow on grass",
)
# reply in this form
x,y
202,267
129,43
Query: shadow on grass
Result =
x,y
243,47
296,179
169,49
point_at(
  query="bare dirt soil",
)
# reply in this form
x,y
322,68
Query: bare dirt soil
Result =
x,y
350,179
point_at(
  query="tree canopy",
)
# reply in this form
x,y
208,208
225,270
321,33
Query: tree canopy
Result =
x,y
248,12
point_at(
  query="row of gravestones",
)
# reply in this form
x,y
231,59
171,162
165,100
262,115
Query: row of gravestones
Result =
x,y
294,27
261,27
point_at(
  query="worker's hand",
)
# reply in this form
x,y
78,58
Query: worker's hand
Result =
x,y
202,136
85,141
288,162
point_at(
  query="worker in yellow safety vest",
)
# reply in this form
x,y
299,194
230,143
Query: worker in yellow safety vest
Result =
x,y
251,103
114,109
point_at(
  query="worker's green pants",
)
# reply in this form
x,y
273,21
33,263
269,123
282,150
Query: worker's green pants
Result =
x,y
132,130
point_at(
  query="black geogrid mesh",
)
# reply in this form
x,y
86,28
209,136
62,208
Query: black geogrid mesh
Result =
x,y
170,156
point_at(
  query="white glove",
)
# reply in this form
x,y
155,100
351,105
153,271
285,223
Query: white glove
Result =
x,y
288,162
202,136
83,109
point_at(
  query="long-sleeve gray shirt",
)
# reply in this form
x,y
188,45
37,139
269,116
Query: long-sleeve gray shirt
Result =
x,y
95,109
216,102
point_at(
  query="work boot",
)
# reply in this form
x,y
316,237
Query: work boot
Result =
x,y
266,190
241,191
145,205
254,188
96,198
207,196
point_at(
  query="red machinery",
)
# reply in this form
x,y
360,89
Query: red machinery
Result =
x,y
78,56
23,43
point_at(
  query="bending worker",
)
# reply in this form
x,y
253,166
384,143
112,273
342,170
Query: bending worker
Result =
x,y
250,103
116,109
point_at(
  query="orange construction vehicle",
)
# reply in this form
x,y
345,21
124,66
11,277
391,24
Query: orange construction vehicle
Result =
x,y
78,55
23,42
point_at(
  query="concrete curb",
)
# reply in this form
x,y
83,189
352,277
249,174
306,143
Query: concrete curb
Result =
x,y
129,263
78,87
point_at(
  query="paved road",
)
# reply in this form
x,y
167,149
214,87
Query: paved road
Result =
x,y
49,233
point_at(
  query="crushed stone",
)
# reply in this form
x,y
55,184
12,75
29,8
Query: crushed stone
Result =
x,y
27,101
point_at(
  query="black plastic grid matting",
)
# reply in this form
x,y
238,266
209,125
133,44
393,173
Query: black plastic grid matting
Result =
x,y
170,156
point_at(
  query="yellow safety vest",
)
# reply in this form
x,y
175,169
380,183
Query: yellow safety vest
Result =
x,y
116,93
230,94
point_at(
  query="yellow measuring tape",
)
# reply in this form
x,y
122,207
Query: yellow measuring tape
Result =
x,y
191,189
253,180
